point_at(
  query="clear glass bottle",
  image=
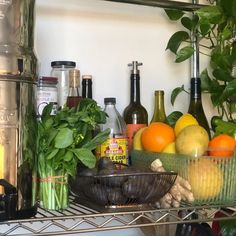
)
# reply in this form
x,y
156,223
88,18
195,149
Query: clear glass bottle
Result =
x,y
135,115
116,146
159,114
74,97
195,106
60,69
46,93
87,86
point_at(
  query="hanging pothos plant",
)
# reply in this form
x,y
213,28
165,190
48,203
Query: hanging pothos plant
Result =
x,y
215,27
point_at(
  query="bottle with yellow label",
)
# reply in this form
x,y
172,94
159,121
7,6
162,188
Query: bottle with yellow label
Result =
x,y
116,146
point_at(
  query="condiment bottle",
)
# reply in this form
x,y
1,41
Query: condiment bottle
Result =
x,y
135,115
74,98
116,145
87,86
46,93
195,106
159,114
60,69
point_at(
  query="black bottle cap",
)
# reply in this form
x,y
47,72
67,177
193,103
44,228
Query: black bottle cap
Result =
x,y
63,63
110,100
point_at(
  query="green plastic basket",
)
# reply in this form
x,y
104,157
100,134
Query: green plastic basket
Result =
x,y
213,179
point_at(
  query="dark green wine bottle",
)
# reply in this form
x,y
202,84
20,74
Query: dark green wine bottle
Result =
x,y
135,115
159,114
195,106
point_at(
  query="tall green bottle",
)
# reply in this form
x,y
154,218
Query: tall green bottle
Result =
x,y
135,115
195,106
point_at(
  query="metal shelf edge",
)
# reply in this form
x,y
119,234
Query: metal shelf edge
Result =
x,y
163,4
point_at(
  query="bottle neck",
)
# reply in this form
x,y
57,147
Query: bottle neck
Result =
x,y
86,88
195,89
159,108
135,89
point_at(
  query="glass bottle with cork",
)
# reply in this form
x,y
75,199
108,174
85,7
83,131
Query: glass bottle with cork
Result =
x,y
87,86
159,114
116,145
74,97
135,115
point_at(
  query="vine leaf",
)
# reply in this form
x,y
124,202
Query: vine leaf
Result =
x,y
174,14
175,93
176,39
184,53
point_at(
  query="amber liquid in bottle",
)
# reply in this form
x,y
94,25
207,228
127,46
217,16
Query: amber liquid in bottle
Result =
x,y
159,114
74,98
135,115
195,106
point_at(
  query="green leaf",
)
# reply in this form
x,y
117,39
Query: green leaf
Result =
x,y
229,90
205,28
187,23
226,34
85,156
176,39
64,138
52,154
97,140
212,14
174,14
68,156
228,227
47,110
184,53
229,7
173,117
175,93
222,75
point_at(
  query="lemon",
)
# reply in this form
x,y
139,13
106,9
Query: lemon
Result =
x,y
170,148
184,121
137,143
205,178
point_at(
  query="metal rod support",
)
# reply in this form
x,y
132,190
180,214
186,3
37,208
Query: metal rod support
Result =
x,y
163,4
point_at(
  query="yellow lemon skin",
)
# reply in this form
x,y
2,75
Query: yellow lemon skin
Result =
x,y
192,141
205,178
170,148
184,121
137,143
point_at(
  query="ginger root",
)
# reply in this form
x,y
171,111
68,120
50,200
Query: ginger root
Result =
x,y
181,190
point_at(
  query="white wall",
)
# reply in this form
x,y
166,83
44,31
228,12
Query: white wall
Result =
x,y
103,37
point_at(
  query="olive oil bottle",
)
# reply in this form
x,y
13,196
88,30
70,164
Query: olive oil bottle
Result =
x,y
135,115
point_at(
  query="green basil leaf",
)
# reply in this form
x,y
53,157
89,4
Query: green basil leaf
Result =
x,y
47,110
175,93
176,40
173,117
64,138
184,54
52,154
174,14
97,140
212,14
68,156
85,156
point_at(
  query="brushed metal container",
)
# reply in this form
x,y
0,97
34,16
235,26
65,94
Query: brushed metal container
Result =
x,y
18,124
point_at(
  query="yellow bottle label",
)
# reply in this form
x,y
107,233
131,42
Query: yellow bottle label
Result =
x,y
115,149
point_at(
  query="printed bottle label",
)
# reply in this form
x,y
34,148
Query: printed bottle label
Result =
x,y
115,149
131,130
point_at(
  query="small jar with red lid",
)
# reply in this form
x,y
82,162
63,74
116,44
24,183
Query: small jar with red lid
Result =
x,y
47,93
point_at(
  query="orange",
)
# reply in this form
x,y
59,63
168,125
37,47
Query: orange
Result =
x,y
222,145
157,136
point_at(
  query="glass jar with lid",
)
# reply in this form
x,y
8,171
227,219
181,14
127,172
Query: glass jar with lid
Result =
x,y
60,69
47,93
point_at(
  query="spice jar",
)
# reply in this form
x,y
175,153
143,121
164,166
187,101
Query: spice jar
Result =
x,y
47,93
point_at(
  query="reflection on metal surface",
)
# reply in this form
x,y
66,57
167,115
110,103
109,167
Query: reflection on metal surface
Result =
x,y
163,4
